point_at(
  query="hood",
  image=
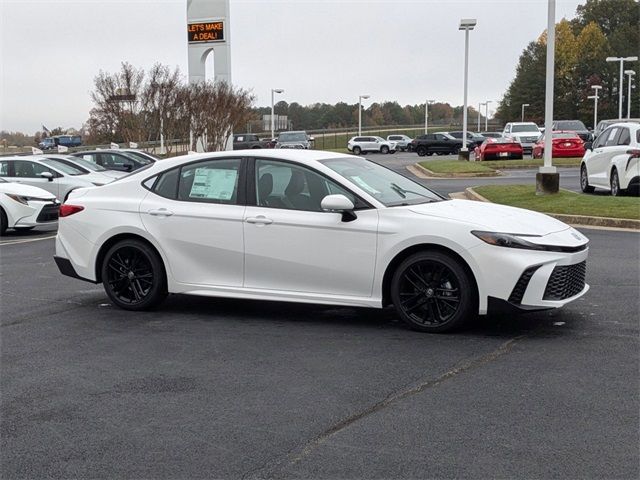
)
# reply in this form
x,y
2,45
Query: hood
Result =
x,y
492,217
25,191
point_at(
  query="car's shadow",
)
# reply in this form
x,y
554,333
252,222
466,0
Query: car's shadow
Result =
x,y
21,234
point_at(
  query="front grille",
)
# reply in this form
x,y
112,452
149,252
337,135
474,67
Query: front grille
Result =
x,y
49,213
566,281
521,285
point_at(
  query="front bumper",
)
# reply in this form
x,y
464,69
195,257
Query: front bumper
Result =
x,y
37,213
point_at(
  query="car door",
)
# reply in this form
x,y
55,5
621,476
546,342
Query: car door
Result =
x,y
599,161
292,245
27,172
195,212
441,144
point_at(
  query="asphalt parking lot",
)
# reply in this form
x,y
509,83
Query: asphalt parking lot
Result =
x,y
206,388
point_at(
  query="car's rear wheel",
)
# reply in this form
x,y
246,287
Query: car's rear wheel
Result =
x,y
357,150
384,149
616,191
421,151
584,180
432,292
3,222
133,275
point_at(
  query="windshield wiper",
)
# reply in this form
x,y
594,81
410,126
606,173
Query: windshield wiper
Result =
x,y
402,192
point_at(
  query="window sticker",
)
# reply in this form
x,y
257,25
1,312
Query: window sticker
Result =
x,y
364,185
214,184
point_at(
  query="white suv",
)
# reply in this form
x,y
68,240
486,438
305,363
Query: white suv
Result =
x,y
613,161
402,141
527,133
364,144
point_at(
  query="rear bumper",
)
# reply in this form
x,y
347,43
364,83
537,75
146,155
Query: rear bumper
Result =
x,y
66,268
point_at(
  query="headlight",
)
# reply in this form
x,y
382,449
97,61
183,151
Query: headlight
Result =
x,y
26,200
507,240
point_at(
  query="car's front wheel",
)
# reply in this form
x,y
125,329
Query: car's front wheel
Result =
x,y
421,151
584,180
4,222
432,292
357,150
133,275
616,191
384,149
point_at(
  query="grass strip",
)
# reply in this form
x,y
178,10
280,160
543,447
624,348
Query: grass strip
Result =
x,y
565,202
456,166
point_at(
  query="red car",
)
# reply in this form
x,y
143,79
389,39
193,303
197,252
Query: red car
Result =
x,y
499,149
564,144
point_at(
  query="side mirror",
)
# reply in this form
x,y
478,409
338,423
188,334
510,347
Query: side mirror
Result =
x,y
128,167
47,175
588,145
341,204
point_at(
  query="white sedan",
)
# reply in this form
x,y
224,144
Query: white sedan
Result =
x,y
314,227
613,161
23,207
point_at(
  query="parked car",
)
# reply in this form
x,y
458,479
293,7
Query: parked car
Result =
x,y
297,140
491,134
613,161
402,142
245,141
602,124
564,144
499,149
300,226
471,136
439,143
114,159
527,133
58,180
90,171
140,154
363,144
23,207
573,126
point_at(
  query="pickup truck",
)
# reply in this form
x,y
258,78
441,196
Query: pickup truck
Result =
x,y
244,141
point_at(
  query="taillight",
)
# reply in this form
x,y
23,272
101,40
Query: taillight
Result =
x,y
634,152
66,210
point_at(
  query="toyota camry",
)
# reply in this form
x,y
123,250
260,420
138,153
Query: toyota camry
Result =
x,y
314,227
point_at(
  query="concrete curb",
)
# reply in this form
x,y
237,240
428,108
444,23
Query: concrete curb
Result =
x,y
426,173
584,220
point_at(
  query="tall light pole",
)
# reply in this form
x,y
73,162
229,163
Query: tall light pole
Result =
x,y
547,178
522,113
360,97
620,86
486,115
479,109
274,90
630,74
595,104
466,24
426,115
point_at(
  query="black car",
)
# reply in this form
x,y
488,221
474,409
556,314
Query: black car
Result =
x,y
491,134
114,160
573,126
476,138
438,143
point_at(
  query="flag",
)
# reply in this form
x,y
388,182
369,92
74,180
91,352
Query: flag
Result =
x,y
114,146
62,149
133,145
46,130
36,151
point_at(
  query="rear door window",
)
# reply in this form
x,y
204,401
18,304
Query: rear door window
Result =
x,y
612,137
625,137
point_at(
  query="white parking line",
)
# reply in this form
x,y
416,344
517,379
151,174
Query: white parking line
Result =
x,y
26,240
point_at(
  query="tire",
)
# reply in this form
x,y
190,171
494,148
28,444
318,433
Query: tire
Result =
x,y
455,151
4,222
421,151
128,261
357,150
432,292
384,149
584,180
616,191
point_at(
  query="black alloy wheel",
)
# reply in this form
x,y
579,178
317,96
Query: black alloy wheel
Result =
x,y
616,191
4,222
384,149
357,150
421,151
432,292
584,180
133,275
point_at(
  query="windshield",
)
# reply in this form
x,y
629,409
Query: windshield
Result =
x,y
525,128
292,137
141,157
63,167
570,125
386,186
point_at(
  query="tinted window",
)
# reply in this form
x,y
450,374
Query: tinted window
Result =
x,y
602,138
638,136
625,137
570,125
611,137
167,184
30,170
63,167
212,181
110,160
525,128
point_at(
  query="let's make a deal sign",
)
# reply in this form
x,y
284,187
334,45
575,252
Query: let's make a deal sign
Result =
x,y
205,32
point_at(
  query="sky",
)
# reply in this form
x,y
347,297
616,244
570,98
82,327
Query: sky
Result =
x,y
316,50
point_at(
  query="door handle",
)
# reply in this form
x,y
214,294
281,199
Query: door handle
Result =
x,y
259,220
160,212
